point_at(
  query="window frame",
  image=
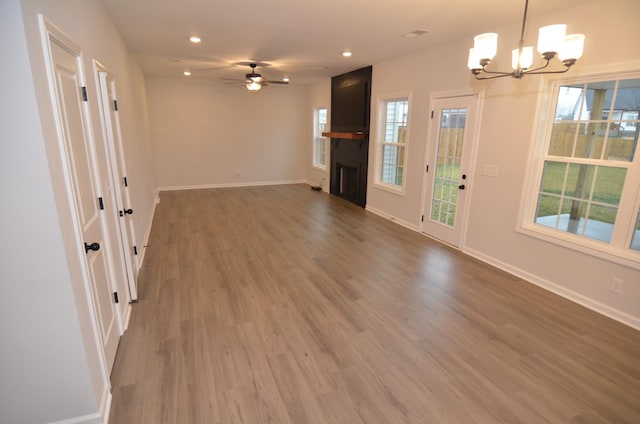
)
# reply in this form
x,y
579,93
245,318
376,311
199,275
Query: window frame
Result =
x,y
382,102
618,250
318,137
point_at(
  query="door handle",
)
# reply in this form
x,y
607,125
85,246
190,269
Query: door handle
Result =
x,y
93,246
128,211
461,187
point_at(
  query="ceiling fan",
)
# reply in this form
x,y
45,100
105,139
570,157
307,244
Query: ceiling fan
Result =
x,y
254,81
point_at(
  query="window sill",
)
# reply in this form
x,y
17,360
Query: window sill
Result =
x,y
319,168
601,250
399,190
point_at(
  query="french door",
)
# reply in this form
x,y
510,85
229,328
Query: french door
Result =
x,y
448,166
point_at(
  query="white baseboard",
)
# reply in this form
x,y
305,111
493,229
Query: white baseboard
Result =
x,y
392,218
85,419
230,185
127,317
105,405
148,232
595,306
100,417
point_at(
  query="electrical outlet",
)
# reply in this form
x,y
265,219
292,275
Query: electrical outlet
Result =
x,y
616,285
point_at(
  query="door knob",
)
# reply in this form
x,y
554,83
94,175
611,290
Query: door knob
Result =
x,y
461,186
93,246
128,211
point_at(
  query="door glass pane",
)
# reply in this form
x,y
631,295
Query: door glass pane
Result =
x,y
447,172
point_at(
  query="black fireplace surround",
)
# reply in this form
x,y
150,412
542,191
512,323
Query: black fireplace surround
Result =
x,y
350,113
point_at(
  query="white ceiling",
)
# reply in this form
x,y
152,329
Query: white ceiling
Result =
x,y
302,39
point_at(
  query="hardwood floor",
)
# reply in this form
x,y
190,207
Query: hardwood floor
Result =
x,y
284,305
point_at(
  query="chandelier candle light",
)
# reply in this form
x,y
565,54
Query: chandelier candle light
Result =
x,y
552,42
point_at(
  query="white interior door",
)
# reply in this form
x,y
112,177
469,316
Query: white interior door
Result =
x,y
80,160
448,167
118,172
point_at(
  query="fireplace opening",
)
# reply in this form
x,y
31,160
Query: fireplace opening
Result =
x,y
348,182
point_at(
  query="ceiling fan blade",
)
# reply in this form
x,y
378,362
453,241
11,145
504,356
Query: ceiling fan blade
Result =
x,y
276,82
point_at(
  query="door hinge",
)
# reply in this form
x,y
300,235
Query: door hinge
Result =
x,y
135,250
427,168
431,114
422,219
126,184
101,203
115,105
115,297
84,94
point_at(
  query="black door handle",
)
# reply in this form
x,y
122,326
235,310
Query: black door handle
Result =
x,y
93,246
461,186
128,211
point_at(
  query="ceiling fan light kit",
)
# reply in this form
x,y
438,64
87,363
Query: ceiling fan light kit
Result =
x,y
552,43
254,81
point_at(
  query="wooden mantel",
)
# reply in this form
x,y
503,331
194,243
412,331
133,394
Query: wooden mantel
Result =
x,y
346,135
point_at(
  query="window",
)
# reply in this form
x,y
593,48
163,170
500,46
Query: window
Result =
x,y
319,142
589,175
393,142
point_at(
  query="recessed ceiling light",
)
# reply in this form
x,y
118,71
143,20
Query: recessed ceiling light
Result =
x,y
346,53
285,79
195,40
415,33
187,73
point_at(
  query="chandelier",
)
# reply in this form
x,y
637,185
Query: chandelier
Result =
x,y
552,43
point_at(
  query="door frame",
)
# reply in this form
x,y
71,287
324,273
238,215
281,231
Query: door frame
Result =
x,y
50,33
478,94
115,164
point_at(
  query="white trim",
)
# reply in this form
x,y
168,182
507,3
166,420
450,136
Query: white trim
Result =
x,y
105,405
147,234
391,188
392,218
379,142
591,247
126,318
101,417
477,96
631,321
229,185
614,251
49,33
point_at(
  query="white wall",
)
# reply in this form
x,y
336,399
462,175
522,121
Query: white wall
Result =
x,y
207,134
505,138
318,95
44,367
51,368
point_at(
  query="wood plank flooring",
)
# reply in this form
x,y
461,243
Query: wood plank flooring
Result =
x,y
284,305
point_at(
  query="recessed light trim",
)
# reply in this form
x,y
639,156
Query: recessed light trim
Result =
x,y
195,39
